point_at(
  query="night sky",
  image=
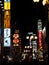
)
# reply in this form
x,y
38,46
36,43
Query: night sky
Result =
x,y
24,16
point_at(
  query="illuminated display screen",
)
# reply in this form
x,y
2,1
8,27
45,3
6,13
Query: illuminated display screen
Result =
x,y
7,42
7,14
6,0
6,23
7,39
7,32
7,5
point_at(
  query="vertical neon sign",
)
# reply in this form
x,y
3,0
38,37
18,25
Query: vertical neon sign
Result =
x,y
40,43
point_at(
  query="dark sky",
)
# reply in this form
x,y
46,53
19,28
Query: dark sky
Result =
x,y
24,15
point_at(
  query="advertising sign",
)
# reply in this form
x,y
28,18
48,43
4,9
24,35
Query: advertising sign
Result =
x,y
39,39
7,32
7,41
6,0
6,5
6,23
7,14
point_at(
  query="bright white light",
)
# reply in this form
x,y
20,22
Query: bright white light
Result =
x,y
44,2
35,37
31,37
0,1
36,0
27,37
44,29
25,46
2,7
30,46
6,0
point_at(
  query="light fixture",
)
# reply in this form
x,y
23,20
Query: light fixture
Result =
x,y
0,1
31,37
35,37
36,0
27,37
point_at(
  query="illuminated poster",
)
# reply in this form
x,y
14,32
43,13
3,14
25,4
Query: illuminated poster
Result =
x,y
7,14
7,32
6,19
7,41
6,23
7,5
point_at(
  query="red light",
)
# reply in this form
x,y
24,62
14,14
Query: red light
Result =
x,y
16,40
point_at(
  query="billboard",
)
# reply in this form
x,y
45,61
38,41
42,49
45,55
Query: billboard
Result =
x,y
6,19
6,5
7,32
7,14
6,0
7,41
6,23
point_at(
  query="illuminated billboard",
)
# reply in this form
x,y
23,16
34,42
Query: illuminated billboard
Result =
x,y
7,14
7,5
7,32
6,19
6,23
7,41
6,0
